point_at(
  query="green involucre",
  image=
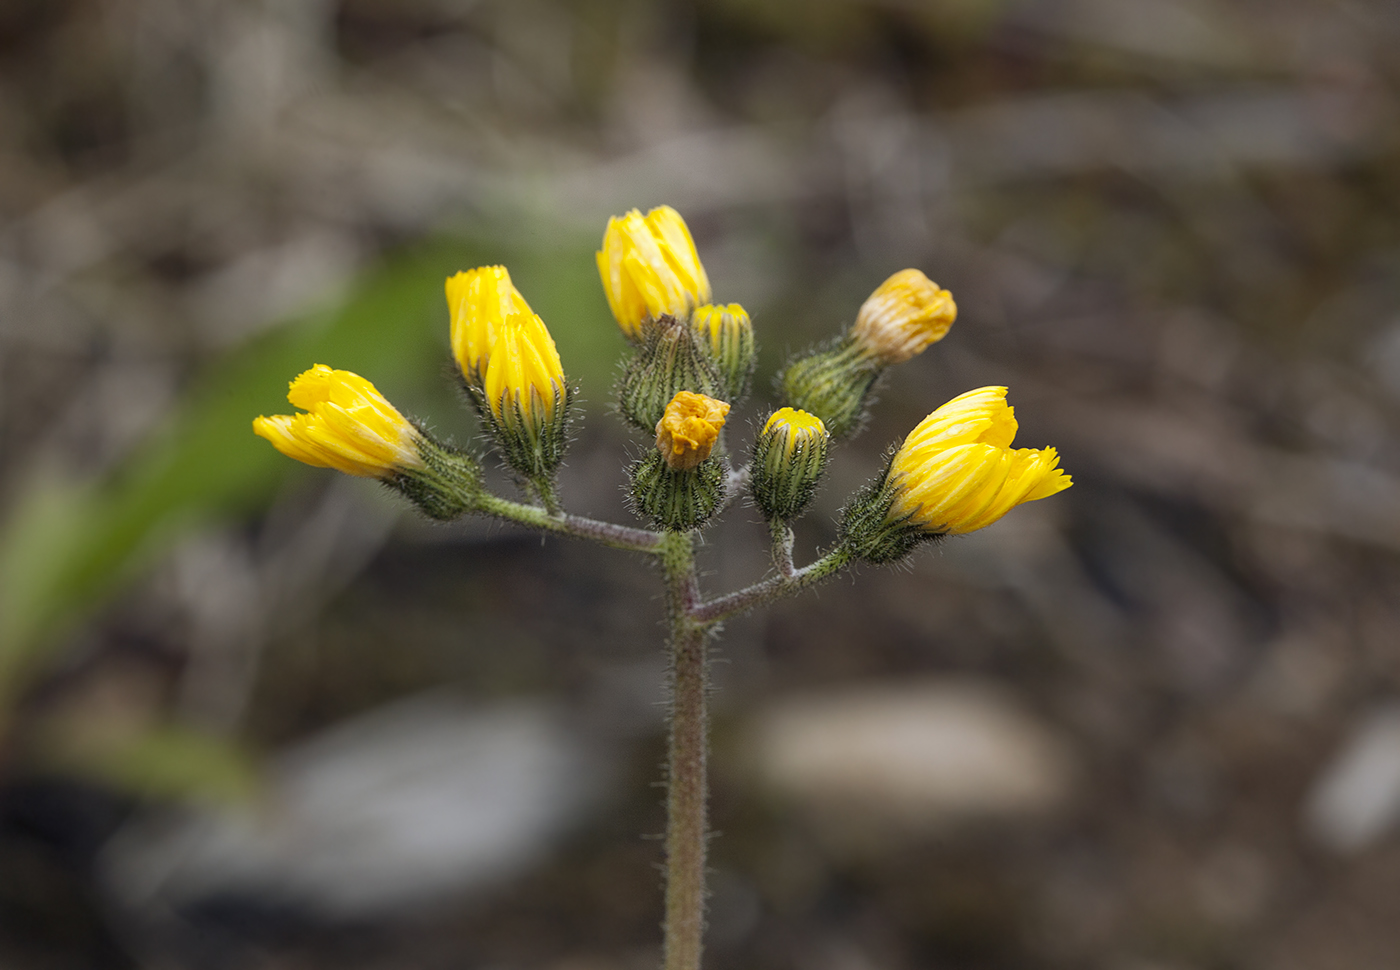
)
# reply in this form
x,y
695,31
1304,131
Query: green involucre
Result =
x,y
834,383
676,500
867,531
448,485
785,474
670,359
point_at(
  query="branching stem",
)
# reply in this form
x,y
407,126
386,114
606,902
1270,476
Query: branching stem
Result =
x,y
692,622
723,607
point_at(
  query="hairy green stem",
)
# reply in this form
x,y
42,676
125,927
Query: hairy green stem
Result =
x,y
686,790
543,486
782,547
617,536
772,588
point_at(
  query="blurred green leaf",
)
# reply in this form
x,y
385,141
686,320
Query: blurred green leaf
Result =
x,y
165,762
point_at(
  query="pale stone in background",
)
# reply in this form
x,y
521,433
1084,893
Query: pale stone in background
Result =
x,y
903,761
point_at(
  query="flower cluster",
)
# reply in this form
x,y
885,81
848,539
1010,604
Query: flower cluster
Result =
x,y
690,362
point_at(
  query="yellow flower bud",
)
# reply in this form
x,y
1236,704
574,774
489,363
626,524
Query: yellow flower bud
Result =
x,y
347,425
481,300
524,378
904,315
957,472
687,432
649,267
727,333
788,461
796,427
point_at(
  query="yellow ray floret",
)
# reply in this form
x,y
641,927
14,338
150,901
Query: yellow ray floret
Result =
x,y
687,432
957,472
481,300
797,426
346,425
649,266
903,316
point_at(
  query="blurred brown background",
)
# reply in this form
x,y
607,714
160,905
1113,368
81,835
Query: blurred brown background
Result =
x,y
257,716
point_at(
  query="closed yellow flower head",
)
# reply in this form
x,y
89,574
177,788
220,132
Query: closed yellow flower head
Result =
x,y
524,372
346,425
720,325
480,300
957,472
904,315
797,426
687,432
649,267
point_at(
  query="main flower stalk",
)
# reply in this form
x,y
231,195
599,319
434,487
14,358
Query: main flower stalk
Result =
x,y
687,786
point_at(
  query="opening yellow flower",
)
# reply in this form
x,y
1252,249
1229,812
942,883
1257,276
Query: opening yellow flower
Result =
x,y
903,316
649,266
687,432
957,472
346,425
